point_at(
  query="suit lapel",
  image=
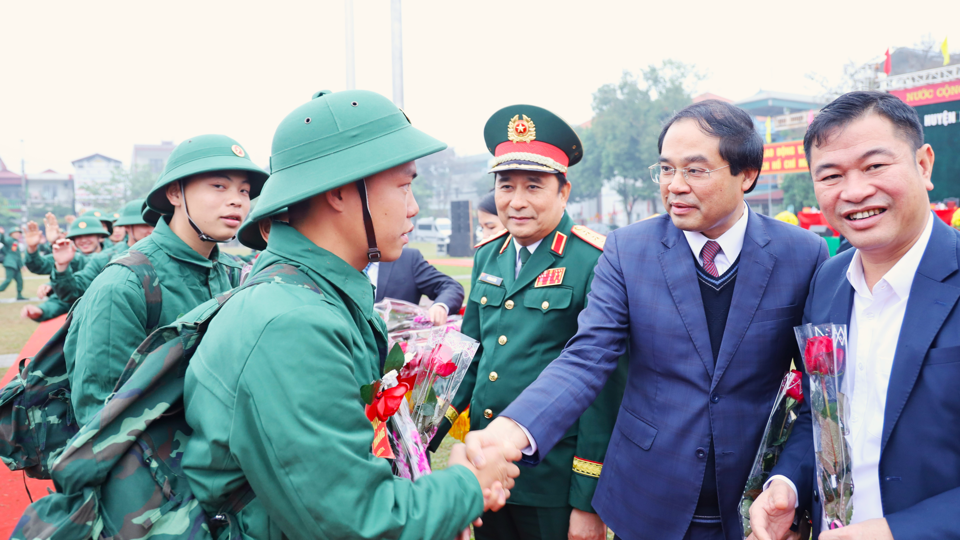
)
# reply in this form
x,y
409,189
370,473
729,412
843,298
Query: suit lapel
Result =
x,y
680,273
756,265
930,302
383,277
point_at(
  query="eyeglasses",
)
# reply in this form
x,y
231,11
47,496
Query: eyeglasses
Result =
x,y
663,174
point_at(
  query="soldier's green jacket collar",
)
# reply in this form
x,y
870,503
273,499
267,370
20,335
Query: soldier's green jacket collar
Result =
x,y
172,245
287,242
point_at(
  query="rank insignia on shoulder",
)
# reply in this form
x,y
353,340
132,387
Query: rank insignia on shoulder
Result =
x,y
559,243
493,280
550,277
593,238
491,239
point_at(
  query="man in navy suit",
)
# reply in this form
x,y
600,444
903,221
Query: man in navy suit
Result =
x,y
897,293
704,300
410,277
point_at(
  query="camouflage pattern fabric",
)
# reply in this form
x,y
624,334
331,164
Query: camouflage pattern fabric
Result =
x,y
36,415
140,265
120,476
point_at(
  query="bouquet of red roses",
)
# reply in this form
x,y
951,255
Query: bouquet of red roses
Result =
x,y
400,315
824,353
779,425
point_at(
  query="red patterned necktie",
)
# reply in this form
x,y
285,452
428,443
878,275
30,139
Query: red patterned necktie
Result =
x,y
708,253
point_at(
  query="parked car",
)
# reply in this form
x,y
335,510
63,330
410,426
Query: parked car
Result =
x,y
435,230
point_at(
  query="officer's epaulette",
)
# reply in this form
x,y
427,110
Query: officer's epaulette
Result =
x,y
491,239
593,238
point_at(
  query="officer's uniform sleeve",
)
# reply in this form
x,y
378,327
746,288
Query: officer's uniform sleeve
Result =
x,y
304,444
39,264
470,327
110,323
593,435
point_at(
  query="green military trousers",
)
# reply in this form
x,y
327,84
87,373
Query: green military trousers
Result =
x,y
517,522
13,274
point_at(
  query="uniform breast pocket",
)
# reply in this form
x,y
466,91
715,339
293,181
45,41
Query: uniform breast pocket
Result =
x,y
775,314
548,299
487,295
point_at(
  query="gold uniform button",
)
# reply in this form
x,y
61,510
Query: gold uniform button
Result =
x,y
488,414
545,305
502,340
493,376
483,301
508,304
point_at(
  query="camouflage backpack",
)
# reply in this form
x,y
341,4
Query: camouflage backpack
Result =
x,y
36,416
120,477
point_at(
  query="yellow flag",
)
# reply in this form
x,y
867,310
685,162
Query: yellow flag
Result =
x,y
946,52
769,137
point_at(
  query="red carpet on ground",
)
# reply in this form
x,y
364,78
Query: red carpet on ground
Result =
x,y
13,496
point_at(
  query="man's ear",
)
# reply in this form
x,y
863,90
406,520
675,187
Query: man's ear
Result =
x,y
264,226
336,200
174,195
750,179
925,165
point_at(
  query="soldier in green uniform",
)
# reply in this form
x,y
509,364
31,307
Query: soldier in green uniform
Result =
x,y
119,233
529,284
273,390
105,220
70,285
86,235
204,195
12,262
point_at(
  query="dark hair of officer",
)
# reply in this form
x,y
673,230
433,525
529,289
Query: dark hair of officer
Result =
x,y
850,107
740,144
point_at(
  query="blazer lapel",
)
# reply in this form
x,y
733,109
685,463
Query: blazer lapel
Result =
x,y
383,277
680,273
756,265
930,302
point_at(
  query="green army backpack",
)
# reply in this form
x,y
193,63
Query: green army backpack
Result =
x,y
120,477
36,416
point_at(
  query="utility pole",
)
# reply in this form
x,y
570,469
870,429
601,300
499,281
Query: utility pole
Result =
x,y
348,19
396,33
24,212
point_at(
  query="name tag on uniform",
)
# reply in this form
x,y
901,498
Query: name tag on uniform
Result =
x,y
553,276
493,280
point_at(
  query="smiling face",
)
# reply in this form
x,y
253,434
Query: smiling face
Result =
x,y
88,243
710,205
392,208
872,186
218,202
118,233
530,204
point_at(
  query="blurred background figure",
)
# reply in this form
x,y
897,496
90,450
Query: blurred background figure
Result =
x,y
410,277
487,217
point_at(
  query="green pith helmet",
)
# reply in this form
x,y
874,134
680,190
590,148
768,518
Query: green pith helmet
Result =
x,y
132,214
116,215
104,218
15,229
203,154
249,234
530,138
87,224
335,139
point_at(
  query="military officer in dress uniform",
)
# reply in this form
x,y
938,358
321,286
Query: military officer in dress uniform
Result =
x,y
529,284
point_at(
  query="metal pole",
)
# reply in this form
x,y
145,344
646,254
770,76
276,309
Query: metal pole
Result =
x,y
348,19
396,32
24,208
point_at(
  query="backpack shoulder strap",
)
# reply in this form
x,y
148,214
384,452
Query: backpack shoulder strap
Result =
x,y
140,265
283,273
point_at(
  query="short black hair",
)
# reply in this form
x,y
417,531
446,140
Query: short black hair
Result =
x,y
854,105
740,144
488,204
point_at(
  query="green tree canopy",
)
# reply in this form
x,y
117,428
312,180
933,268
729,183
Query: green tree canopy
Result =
x,y
798,191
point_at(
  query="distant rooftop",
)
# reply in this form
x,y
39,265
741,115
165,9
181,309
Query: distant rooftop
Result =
x,y
92,156
707,95
769,103
7,174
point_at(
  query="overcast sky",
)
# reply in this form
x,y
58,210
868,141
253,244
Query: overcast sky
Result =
x,y
98,77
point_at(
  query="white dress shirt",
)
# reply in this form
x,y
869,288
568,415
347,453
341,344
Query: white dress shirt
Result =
x,y
373,272
873,335
532,247
731,243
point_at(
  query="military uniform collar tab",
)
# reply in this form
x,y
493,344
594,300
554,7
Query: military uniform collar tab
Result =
x,y
175,247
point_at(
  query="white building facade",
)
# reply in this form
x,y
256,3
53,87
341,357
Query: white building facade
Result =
x,y
91,172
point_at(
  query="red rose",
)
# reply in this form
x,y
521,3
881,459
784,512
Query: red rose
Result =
x,y
403,346
818,355
794,388
446,369
387,403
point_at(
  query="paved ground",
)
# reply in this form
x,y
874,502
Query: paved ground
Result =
x,y
7,360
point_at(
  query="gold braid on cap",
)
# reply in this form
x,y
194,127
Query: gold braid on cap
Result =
x,y
533,158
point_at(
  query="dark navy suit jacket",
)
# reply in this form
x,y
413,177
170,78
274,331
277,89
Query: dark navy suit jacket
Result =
x,y
646,301
920,445
410,277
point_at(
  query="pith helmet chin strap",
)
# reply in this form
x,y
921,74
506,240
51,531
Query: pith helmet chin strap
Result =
x,y
203,236
373,252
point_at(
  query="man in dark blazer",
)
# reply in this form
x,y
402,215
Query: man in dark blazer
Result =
x,y
704,301
410,277
897,293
